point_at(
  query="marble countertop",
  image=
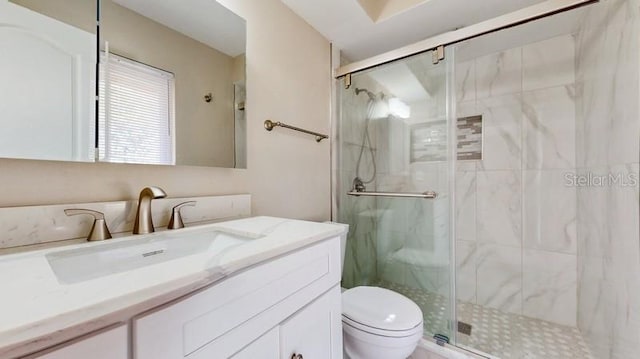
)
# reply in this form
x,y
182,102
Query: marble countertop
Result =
x,y
36,311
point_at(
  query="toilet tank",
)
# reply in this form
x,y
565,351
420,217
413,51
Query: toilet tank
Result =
x,y
343,241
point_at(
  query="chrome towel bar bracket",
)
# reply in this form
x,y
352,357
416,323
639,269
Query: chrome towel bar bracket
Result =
x,y
269,125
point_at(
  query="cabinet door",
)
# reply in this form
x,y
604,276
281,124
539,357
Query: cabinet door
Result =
x,y
112,344
234,312
315,332
265,347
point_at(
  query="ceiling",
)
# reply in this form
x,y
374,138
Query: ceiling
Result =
x,y
352,26
360,32
204,20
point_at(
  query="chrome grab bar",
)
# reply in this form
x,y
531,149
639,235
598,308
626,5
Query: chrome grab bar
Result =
x,y
424,195
269,125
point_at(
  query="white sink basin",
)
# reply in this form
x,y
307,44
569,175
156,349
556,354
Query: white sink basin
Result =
x,y
77,265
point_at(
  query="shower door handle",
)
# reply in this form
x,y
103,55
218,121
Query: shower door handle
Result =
x,y
423,195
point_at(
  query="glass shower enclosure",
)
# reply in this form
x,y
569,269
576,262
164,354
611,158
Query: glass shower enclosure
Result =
x,y
395,181
499,187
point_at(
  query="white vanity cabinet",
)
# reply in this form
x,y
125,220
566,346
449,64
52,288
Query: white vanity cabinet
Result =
x,y
110,344
289,305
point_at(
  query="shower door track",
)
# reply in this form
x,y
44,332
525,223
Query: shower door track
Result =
x,y
531,13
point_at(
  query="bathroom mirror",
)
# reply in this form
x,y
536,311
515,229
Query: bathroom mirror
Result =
x,y
47,67
170,86
171,83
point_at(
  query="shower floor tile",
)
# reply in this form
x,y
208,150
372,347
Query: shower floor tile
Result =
x,y
502,335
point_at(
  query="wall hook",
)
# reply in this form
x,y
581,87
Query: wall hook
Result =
x,y
208,97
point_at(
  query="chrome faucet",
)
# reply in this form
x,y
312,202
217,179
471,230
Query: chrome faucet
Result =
x,y
144,222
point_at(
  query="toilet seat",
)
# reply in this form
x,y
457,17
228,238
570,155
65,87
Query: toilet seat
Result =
x,y
351,325
382,312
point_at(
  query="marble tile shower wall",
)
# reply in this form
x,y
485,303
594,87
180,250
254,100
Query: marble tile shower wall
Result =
x,y
608,79
516,218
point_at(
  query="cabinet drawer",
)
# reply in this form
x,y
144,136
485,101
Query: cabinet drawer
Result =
x,y
182,328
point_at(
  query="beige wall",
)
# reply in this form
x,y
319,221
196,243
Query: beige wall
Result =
x,y
238,68
288,80
80,13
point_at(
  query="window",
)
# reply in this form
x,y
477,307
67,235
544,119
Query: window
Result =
x,y
136,116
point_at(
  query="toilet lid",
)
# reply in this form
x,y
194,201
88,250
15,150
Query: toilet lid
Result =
x,y
380,308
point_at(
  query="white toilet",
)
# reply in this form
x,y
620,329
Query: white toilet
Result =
x,y
378,323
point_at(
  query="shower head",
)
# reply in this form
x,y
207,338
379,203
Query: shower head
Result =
x,y
372,96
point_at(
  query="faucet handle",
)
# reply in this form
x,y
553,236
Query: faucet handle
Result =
x,y
99,230
176,218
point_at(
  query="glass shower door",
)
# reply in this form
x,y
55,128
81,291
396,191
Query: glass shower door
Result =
x,y
395,139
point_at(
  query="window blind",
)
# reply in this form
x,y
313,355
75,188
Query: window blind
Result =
x,y
135,119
